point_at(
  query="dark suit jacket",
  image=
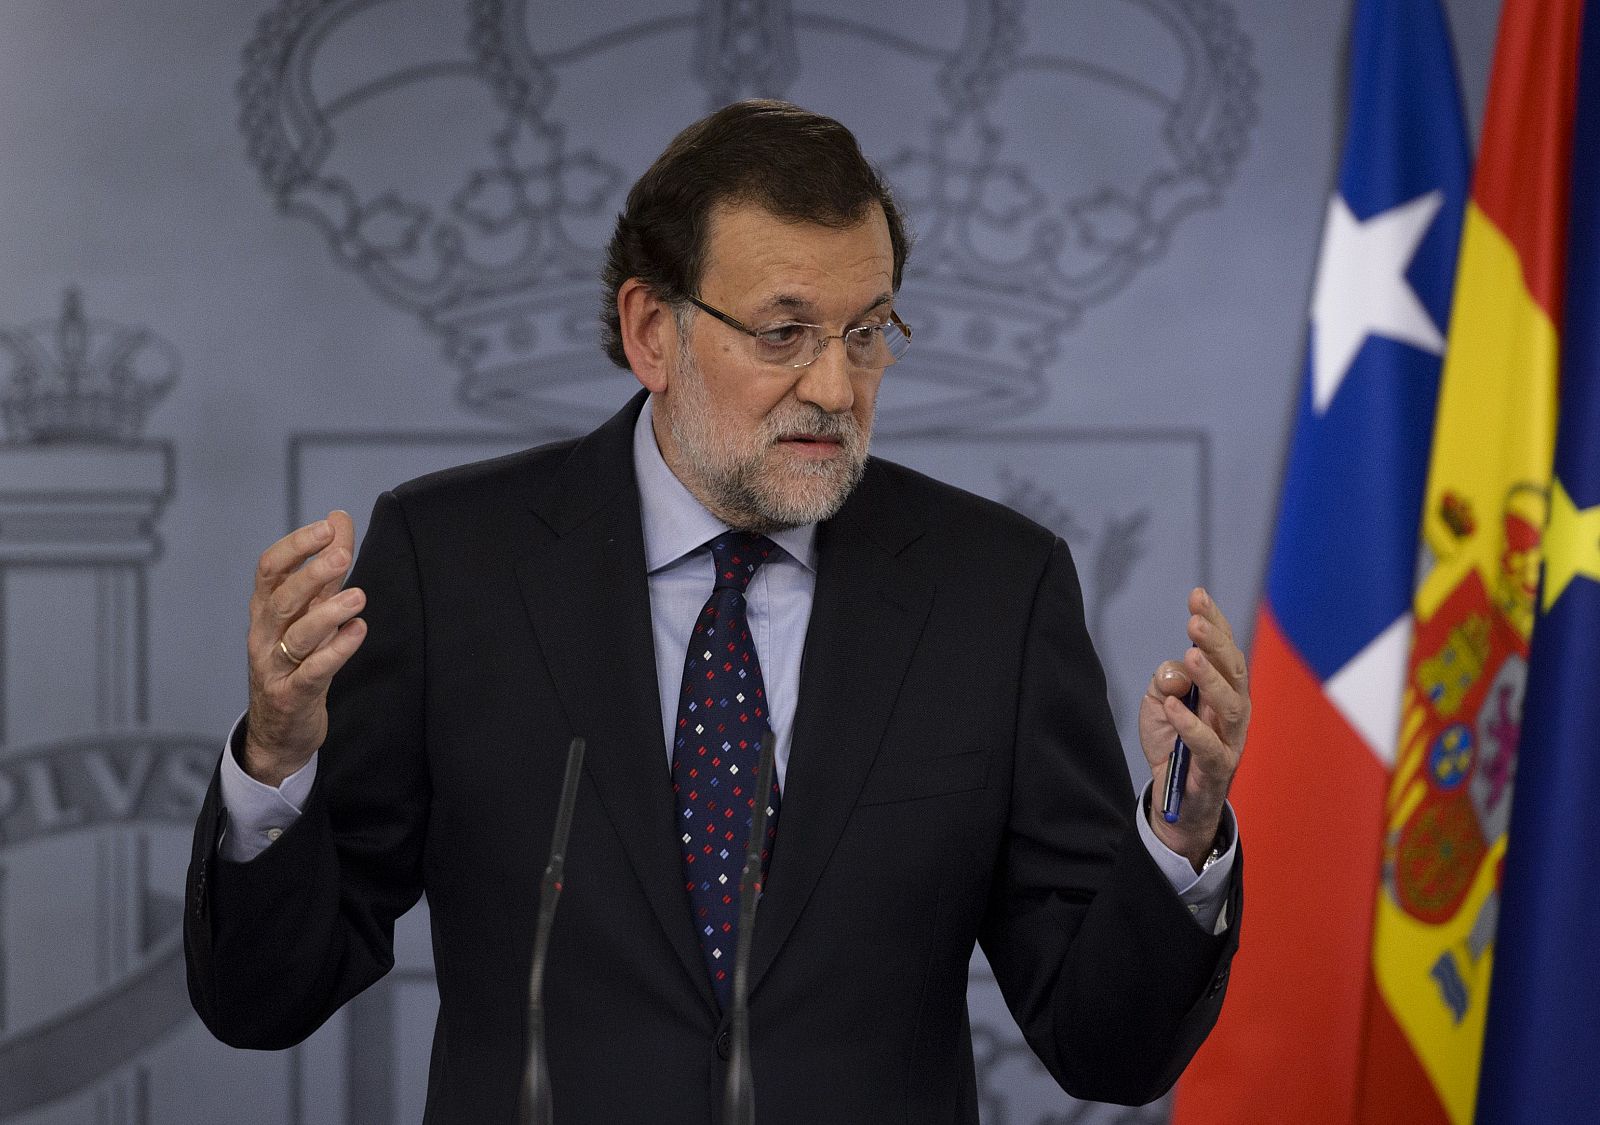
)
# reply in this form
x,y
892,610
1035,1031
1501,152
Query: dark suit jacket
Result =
x,y
955,777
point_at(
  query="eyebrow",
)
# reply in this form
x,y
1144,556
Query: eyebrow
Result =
x,y
802,307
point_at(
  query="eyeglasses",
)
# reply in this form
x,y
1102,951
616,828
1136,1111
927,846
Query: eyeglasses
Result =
x,y
792,344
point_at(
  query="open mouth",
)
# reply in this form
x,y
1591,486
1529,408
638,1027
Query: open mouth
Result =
x,y
812,447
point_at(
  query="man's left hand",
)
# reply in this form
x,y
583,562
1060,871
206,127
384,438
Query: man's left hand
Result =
x,y
1215,735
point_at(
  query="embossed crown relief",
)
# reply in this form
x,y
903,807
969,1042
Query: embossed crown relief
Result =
x,y
79,380
452,154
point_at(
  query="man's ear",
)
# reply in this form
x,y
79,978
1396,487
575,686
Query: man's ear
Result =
x,y
649,333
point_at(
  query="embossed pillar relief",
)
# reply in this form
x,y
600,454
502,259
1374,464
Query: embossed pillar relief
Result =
x,y
79,498
90,976
76,525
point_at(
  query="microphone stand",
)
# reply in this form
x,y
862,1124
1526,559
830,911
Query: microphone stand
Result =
x,y
535,1105
739,1093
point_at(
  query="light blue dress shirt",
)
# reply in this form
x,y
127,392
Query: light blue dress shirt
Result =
x,y
677,529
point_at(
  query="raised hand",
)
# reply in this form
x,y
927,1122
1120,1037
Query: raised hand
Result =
x,y
303,627
1215,735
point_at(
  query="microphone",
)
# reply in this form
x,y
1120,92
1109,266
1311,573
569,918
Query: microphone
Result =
x,y
739,1094
535,1106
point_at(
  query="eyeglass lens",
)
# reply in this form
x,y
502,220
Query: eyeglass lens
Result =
x,y
798,345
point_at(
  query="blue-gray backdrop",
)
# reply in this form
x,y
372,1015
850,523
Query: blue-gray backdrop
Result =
x,y
258,260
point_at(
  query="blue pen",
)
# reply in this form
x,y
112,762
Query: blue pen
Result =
x,y
1178,768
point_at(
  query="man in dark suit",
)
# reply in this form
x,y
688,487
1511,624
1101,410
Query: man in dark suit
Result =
x,y
949,772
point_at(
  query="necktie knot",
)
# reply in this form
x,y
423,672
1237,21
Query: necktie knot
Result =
x,y
737,554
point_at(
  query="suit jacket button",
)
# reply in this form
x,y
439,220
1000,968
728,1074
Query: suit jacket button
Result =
x,y
724,1045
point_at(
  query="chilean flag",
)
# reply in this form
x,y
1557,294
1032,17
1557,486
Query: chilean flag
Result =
x,y
1334,630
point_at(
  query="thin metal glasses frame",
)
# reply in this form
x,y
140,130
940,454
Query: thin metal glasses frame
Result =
x,y
822,341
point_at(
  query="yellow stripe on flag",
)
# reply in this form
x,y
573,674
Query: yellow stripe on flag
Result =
x,y
1496,420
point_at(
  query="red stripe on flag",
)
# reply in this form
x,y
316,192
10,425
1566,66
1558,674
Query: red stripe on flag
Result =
x,y
1394,1087
1310,799
1525,157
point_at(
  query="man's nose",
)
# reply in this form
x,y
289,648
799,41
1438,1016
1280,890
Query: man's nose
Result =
x,y
826,382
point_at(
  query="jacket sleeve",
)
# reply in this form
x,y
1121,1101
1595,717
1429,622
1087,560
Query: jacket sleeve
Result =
x,y
1112,982
274,946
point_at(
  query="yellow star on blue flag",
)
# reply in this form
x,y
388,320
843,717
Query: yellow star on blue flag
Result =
x,y
1571,544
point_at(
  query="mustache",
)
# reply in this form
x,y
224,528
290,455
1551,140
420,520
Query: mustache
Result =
x,y
813,420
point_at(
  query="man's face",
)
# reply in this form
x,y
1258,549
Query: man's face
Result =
x,y
765,446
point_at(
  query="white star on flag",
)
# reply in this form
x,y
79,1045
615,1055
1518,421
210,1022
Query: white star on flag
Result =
x,y
1369,688
1362,289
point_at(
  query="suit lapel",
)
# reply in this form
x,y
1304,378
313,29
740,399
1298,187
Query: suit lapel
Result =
x,y
586,592
866,618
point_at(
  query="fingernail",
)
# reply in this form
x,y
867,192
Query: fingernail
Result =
x,y
321,527
350,597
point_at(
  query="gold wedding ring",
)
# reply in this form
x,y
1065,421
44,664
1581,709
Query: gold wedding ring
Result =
x,y
291,657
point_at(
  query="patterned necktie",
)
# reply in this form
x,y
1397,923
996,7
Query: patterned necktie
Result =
x,y
722,721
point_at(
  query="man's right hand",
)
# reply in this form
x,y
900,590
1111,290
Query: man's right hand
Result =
x,y
303,627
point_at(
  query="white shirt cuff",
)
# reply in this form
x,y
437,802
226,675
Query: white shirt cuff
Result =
x,y
1205,894
258,813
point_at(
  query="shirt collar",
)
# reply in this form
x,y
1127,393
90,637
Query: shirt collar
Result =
x,y
675,523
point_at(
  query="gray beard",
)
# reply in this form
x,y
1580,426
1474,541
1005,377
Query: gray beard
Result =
x,y
740,496
742,491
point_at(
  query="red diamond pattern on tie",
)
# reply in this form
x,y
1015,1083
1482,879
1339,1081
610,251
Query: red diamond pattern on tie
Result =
x,y
722,722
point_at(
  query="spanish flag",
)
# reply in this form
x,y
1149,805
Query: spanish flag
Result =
x,y
1488,497
1333,630
1543,1039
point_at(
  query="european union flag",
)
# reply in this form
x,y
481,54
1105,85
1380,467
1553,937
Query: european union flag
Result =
x,y
1543,1039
